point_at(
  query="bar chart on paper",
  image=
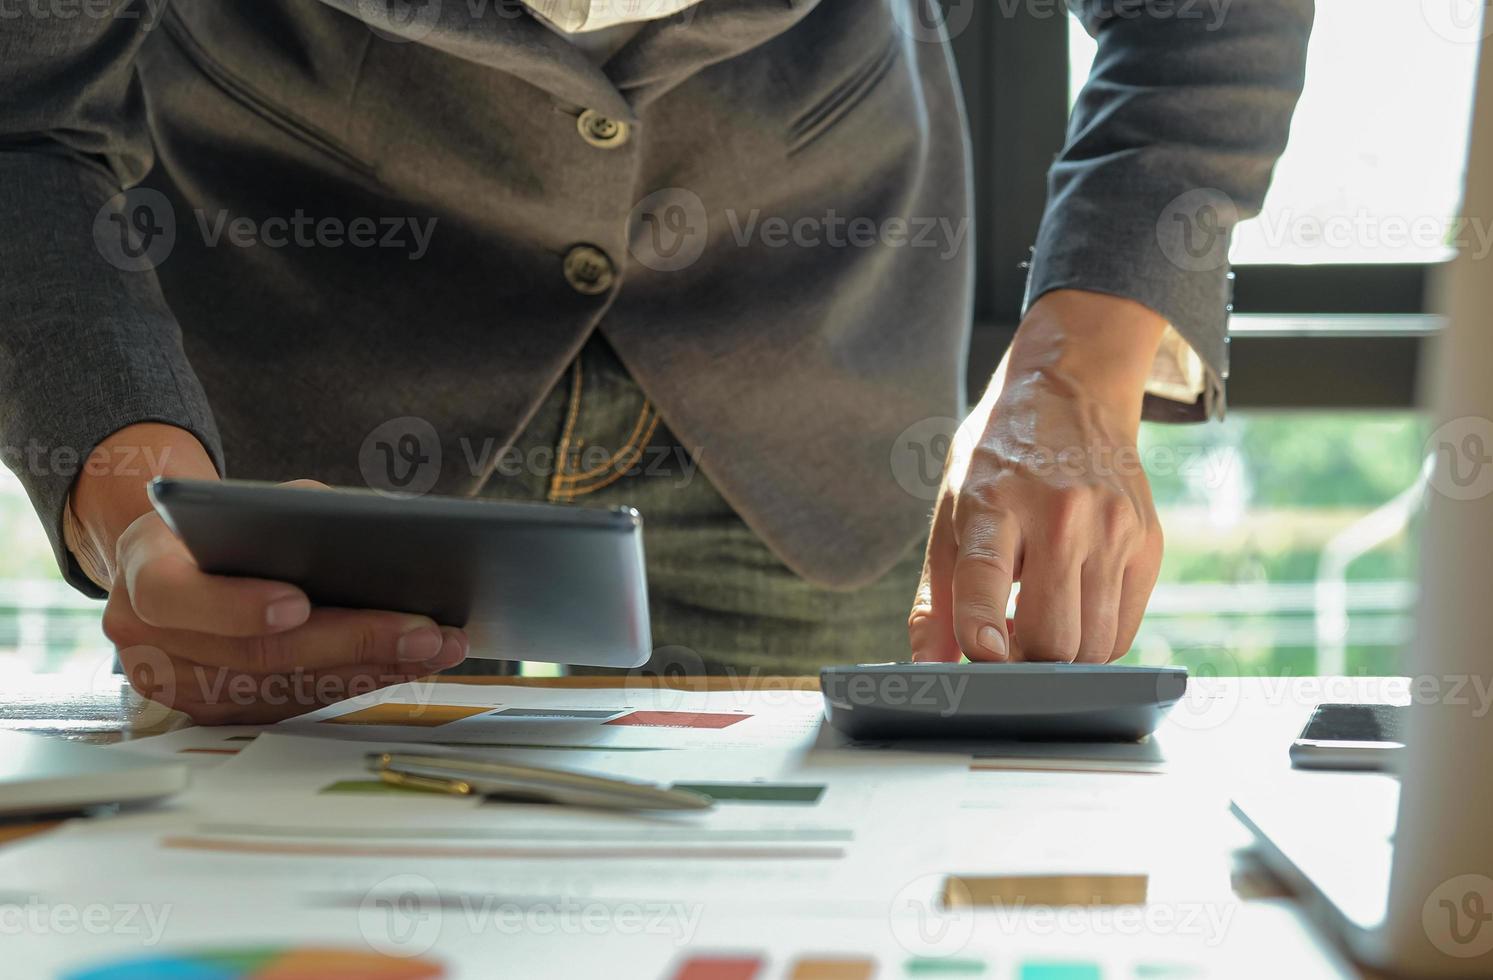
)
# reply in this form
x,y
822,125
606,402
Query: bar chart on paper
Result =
x,y
497,715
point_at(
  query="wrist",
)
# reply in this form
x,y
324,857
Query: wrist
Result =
x,y
1102,347
109,493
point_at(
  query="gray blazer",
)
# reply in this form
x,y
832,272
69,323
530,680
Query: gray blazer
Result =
x,y
361,211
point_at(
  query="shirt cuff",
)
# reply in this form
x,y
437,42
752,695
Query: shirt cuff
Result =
x,y
1177,373
80,545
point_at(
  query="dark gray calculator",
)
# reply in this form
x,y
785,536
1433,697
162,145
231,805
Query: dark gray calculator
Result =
x,y
1000,701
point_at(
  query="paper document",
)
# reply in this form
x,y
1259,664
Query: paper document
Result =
x,y
287,857
198,746
499,714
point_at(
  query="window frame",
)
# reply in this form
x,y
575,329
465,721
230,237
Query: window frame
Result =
x,y
1368,325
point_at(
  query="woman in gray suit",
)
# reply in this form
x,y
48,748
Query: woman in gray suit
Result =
x,y
710,259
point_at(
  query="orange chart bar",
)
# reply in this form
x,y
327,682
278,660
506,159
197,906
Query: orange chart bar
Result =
x,y
832,968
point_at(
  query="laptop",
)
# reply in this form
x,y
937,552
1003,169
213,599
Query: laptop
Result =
x,y
46,775
1401,872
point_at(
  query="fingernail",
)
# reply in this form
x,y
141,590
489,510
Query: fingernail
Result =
x,y
421,643
992,642
453,650
290,611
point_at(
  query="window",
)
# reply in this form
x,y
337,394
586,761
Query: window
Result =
x,y
1292,524
1291,541
45,626
1373,174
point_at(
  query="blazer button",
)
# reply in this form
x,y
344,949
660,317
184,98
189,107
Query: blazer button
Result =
x,y
588,270
598,130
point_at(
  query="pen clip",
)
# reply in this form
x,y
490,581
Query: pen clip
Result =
x,y
404,780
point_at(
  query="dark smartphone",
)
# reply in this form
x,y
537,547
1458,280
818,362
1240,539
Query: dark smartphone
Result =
x,y
1354,737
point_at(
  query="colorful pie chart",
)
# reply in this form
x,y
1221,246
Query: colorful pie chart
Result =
x,y
264,963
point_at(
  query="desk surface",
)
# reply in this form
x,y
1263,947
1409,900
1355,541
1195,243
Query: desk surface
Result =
x,y
1238,722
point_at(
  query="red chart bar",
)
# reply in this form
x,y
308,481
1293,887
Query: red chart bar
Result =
x,y
719,968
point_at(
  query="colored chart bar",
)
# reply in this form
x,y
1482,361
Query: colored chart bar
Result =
x,y
937,966
395,713
678,719
719,968
833,969
756,792
964,891
1054,970
555,714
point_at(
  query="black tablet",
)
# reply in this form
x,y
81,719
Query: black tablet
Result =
x,y
526,581
998,701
